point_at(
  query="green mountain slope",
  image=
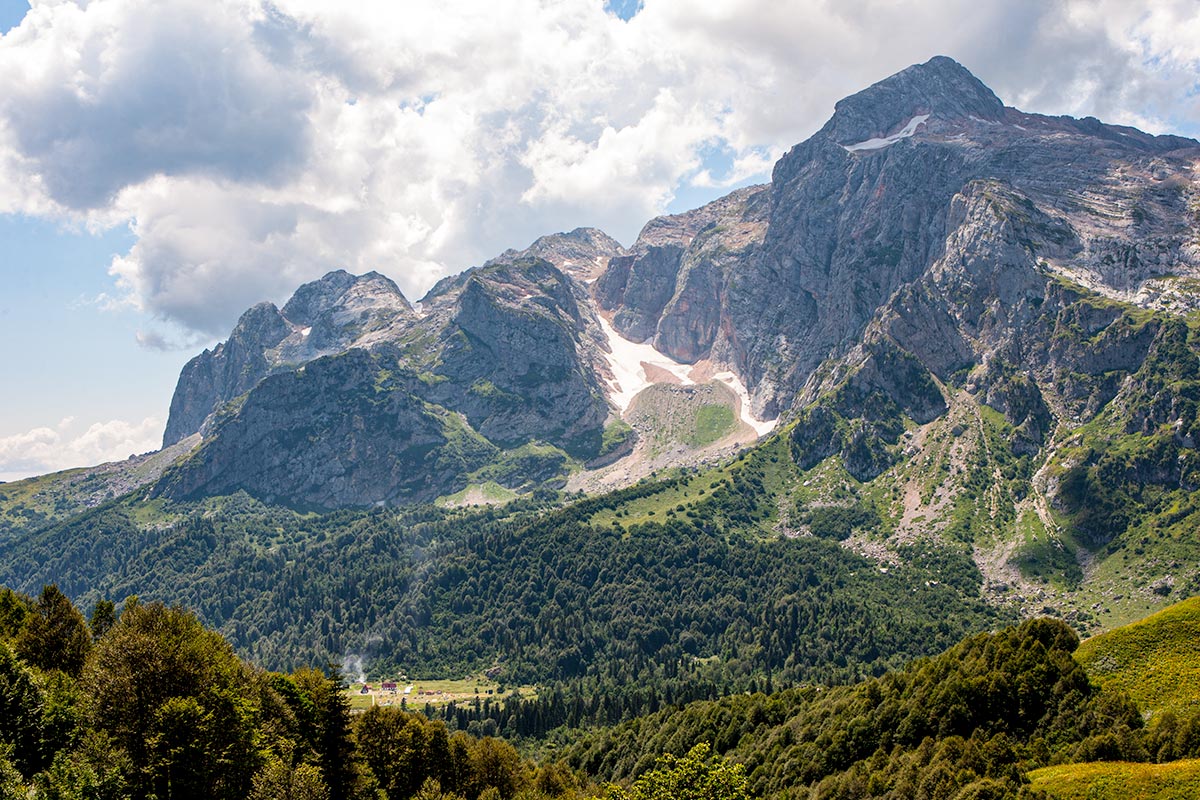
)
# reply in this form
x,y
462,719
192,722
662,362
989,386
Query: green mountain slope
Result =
x,y
1156,661
690,606
1119,781
997,715
966,723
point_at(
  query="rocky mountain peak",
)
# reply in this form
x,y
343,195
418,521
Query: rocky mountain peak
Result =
x,y
339,290
918,238
325,316
260,326
940,87
582,253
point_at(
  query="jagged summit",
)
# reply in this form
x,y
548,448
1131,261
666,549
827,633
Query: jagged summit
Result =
x,y
324,316
582,253
940,86
341,290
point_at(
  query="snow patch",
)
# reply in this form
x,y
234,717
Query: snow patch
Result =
x,y
306,331
626,360
875,144
761,426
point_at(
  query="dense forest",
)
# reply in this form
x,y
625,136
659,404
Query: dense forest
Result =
x,y
148,703
151,704
968,723
611,620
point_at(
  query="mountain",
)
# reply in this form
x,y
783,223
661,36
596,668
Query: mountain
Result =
x,y
350,396
928,248
977,322
920,204
956,342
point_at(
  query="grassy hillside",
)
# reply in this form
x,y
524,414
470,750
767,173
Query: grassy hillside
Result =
x,y
1156,661
966,723
1119,780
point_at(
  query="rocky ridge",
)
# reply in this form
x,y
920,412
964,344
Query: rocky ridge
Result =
x,y
396,406
332,315
927,238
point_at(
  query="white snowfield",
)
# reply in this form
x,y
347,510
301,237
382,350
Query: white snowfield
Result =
x,y
627,362
875,144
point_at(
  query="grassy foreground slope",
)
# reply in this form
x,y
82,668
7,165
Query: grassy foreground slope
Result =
x,y
1119,780
1156,661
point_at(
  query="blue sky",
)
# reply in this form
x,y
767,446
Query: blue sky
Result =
x,y
165,165
62,346
11,12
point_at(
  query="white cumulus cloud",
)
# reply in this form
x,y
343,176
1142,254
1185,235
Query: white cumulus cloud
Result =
x,y
68,445
256,144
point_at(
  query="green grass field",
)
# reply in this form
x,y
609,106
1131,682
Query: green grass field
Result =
x,y
487,493
436,692
1119,780
713,421
1156,660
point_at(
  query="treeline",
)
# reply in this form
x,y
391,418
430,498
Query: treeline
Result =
x,y
965,724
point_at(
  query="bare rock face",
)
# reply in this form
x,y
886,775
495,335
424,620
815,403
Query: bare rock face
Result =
x,y
326,316
670,288
582,253
516,357
924,211
343,310
223,373
940,85
394,407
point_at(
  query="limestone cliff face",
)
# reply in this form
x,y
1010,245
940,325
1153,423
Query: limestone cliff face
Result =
x,y
670,288
582,254
218,375
326,316
516,356
927,212
390,406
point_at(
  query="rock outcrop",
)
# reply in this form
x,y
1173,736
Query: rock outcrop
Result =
x,y
354,399
922,209
670,287
329,315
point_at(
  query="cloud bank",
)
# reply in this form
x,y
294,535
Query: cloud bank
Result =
x,y
253,145
43,450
